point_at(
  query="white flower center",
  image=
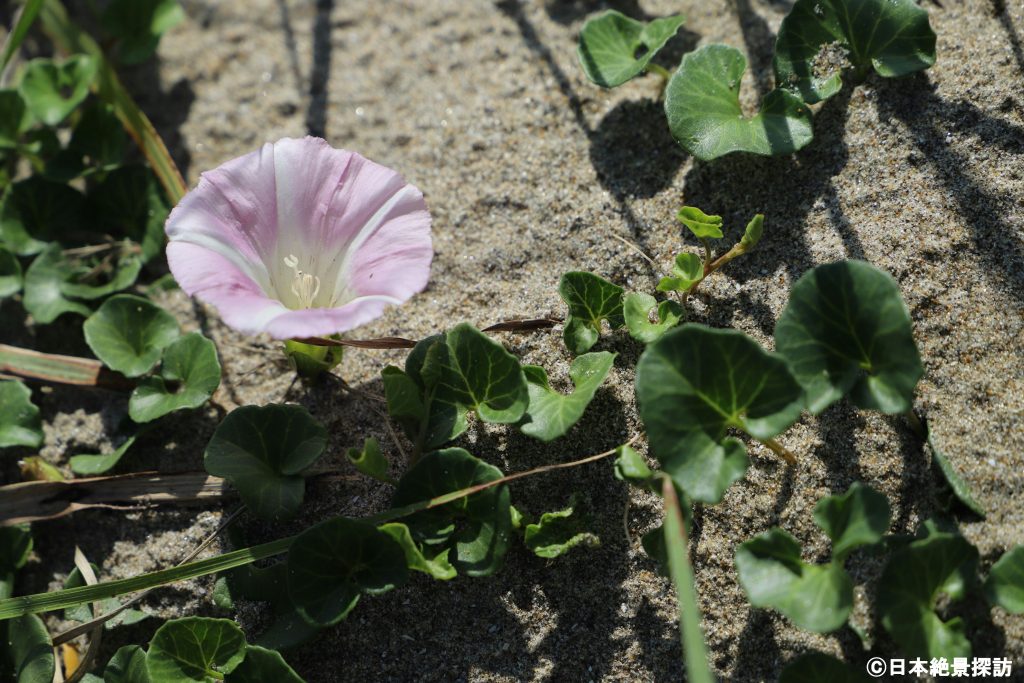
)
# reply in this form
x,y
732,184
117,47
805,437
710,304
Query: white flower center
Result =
x,y
304,286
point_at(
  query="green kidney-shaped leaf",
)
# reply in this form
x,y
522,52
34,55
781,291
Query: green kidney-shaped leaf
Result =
x,y
687,271
10,274
556,533
552,414
332,563
52,90
858,517
591,299
435,562
129,333
705,117
637,307
370,461
262,451
893,36
411,399
263,666
485,524
188,376
816,667
128,665
26,655
36,211
138,25
194,649
846,331
1005,583
814,597
20,424
44,280
694,384
909,586
614,48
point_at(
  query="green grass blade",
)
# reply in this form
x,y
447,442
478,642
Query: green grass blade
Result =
x,y
28,15
697,670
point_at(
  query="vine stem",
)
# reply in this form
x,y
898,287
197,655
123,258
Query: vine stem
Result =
x,y
659,70
69,597
779,450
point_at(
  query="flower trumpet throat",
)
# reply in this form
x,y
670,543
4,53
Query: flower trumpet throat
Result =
x,y
305,286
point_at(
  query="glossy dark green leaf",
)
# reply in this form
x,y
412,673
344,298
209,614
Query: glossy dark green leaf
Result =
x,y
45,277
10,274
1005,583
189,374
590,299
614,48
194,649
558,532
551,414
91,464
846,331
15,547
858,517
26,655
99,138
14,118
484,518
818,37
814,597
51,90
433,562
699,223
816,667
705,117
138,25
128,665
687,271
36,211
637,308
129,333
412,402
693,385
262,451
20,424
956,483
909,587
263,666
370,461
129,202
332,563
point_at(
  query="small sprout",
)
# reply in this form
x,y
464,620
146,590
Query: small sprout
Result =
x,y
614,48
687,272
752,234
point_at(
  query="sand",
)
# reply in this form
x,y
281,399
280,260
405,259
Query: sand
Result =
x,y
530,171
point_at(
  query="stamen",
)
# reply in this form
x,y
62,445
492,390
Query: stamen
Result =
x,y
304,286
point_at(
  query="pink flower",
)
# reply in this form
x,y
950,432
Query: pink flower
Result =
x,y
299,239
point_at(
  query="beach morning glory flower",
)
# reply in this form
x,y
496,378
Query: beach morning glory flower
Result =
x,y
300,239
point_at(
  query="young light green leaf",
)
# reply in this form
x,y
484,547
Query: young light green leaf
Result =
x,y
52,90
846,331
188,376
858,517
28,653
752,233
704,114
128,665
614,48
956,483
551,414
473,372
815,667
693,385
814,597
818,36
435,564
263,666
138,25
909,587
699,223
44,281
687,271
678,557
370,461
15,547
556,533
194,649
262,451
36,211
630,466
332,563
20,424
129,333
93,464
484,532
590,299
1005,583
129,202
636,309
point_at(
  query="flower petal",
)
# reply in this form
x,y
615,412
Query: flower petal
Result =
x,y
321,322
